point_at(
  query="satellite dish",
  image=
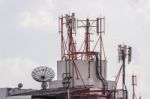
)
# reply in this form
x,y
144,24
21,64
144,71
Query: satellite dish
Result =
x,y
43,74
20,85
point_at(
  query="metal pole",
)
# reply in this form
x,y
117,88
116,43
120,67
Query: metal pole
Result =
x,y
123,72
68,93
133,87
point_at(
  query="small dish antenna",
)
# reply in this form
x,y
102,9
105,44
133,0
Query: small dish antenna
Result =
x,y
43,74
20,85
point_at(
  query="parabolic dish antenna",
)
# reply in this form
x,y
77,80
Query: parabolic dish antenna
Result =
x,y
43,74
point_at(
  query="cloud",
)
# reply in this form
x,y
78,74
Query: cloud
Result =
x,y
35,20
16,70
26,13
142,9
39,17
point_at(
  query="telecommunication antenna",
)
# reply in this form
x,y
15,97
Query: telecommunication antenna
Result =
x,y
92,46
134,83
43,74
124,52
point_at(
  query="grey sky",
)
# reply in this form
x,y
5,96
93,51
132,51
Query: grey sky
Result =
x,y
29,36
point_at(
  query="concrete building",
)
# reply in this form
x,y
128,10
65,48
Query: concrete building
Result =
x,y
5,93
87,70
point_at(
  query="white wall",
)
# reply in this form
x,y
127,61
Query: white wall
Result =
x,y
83,67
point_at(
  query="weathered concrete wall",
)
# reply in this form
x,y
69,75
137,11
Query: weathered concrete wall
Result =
x,y
87,70
83,66
3,93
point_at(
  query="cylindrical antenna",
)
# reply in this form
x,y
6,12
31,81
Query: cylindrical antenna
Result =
x,y
134,83
124,51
